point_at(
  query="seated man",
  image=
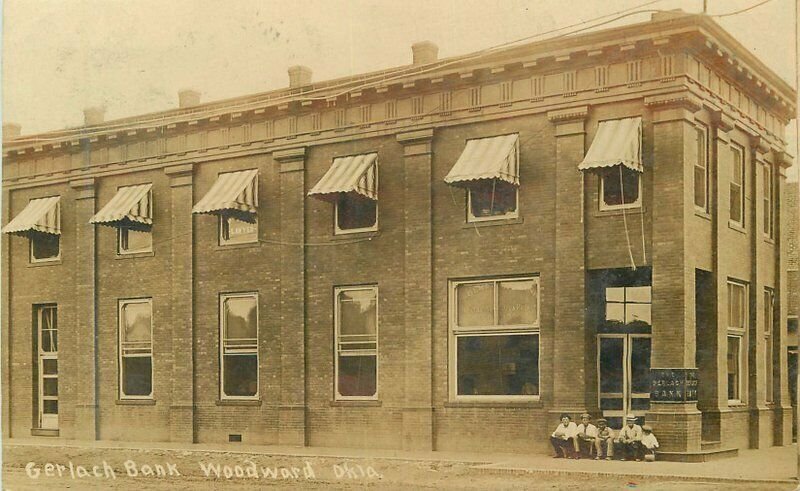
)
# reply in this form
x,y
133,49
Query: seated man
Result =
x,y
587,433
563,438
630,438
604,443
649,443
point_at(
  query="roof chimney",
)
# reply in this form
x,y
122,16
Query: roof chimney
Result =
x,y
11,130
424,52
299,76
188,98
94,115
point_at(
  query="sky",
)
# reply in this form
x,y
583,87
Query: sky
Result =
x,y
60,56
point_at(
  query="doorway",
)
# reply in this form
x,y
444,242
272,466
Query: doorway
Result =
x,y
623,374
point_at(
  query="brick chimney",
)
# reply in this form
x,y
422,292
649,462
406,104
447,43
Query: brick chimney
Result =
x,y
188,98
299,76
94,115
424,52
11,130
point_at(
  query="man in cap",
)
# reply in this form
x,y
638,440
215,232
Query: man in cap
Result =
x,y
604,443
630,438
649,443
587,433
563,438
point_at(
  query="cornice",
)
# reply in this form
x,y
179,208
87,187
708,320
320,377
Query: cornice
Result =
x,y
684,99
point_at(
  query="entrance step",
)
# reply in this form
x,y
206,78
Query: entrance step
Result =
x,y
710,445
701,456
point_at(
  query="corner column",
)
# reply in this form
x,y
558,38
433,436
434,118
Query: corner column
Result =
x,y
418,287
292,404
86,409
181,410
571,342
673,413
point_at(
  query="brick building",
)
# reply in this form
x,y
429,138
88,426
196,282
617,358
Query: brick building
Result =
x,y
445,255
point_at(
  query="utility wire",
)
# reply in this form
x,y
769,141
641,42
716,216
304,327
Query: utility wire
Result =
x,y
742,10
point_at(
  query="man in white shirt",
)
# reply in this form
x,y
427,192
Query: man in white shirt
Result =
x,y
586,435
563,438
630,437
649,443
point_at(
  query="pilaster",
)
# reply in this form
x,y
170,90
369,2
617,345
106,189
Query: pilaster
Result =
x,y
5,308
418,309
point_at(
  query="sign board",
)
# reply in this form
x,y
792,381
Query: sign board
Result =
x,y
673,385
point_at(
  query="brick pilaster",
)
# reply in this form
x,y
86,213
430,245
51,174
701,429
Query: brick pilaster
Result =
x,y
181,411
570,343
418,325
291,409
5,334
86,409
678,425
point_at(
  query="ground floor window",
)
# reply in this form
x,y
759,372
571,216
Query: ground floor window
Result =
x,y
356,332
136,349
495,338
734,368
46,378
239,345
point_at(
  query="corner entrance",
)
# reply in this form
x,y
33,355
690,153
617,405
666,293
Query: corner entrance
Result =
x,y
623,374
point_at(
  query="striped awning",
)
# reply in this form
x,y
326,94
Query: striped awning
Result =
x,y
353,174
233,191
487,158
40,215
130,204
617,142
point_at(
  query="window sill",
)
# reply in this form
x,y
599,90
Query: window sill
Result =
x,y
355,235
534,404
769,240
633,210
737,227
229,247
44,432
134,255
41,264
238,402
136,402
702,214
355,403
493,223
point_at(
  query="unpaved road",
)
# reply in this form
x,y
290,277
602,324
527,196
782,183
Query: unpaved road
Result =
x,y
25,468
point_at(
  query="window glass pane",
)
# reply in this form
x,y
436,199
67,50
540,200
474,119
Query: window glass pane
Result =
x,y
50,407
475,304
492,198
624,192
637,312
136,322
240,318
640,294
357,376
769,367
50,386
358,312
736,305
137,375
640,365
44,246
517,302
135,240
768,311
737,165
611,370
498,365
50,367
736,203
354,211
700,187
239,228
615,312
241,375
615,294
733,367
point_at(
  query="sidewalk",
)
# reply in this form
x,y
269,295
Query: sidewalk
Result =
x,y
770,465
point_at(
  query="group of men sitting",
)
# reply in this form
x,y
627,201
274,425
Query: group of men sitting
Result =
x,y
575,441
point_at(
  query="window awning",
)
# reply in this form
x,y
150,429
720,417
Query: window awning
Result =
x,y
487,158
131,204
353,174
233,191
39,215
617,142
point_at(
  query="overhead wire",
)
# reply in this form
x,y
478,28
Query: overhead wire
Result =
x,y
747,9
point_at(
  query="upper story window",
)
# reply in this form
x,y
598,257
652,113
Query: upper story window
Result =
x,y
239,346
130,211
488,169
234,199
616,155
136,349
701,169
40,222
768,185
351,184
737,184
494,332
356,330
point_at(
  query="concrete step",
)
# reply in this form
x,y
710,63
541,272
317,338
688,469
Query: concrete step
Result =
x,y
701,456
710,445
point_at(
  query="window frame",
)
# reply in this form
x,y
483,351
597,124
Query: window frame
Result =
x,y
636,204
769,348
222,323
768,200
121,303
122,238
336,342
739,332
741,162
471,218
455,332
33,259
221,227
701,132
